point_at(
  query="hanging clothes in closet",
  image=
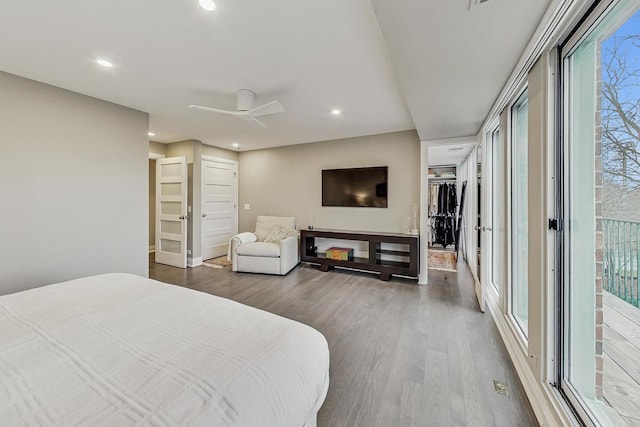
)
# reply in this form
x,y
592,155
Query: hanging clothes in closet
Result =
x,y
443,203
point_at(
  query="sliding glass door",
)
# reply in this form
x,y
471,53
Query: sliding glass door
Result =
x,y
492,215
600,267
496,214
519,213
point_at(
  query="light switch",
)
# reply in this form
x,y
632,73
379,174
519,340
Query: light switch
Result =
x,y
247,206
189,209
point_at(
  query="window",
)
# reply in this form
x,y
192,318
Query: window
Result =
x,y
497,218
601,212
519,212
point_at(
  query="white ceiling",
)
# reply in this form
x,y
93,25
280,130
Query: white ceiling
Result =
x,y
448,154
312,56
452,57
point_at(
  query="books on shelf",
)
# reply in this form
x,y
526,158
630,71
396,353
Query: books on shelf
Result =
x,y
344,254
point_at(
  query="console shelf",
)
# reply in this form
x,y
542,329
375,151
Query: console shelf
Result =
x,y
376,261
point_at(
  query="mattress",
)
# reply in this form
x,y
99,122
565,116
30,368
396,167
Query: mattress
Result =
x,y
122,350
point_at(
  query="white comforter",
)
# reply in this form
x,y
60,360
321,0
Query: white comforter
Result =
x,y
121,350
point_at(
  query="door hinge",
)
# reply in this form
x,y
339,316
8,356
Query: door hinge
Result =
x,y
554,224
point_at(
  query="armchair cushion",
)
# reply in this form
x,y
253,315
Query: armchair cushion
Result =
x,y
264,225
260,249
279,232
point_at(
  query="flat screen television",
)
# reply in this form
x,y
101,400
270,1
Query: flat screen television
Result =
x,y
355,187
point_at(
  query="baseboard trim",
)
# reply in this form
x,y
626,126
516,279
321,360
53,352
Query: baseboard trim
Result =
x,y
152,248
194,262
550,410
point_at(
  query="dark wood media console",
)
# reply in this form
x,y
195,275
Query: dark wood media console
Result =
x,y
376,262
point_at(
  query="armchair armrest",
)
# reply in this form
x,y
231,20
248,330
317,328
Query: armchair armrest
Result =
x,y
289,253
238,240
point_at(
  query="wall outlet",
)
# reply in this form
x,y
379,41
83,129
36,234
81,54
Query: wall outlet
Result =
x,y
188,251
247,206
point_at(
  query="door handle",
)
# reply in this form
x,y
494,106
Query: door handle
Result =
x,y
183,217
477,228
204,215
486,228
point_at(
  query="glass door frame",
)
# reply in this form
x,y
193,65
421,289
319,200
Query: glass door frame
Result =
x,y
563,155
488,210
509,228
562,249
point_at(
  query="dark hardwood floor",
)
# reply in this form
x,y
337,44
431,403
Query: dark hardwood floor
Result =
x,y
401,354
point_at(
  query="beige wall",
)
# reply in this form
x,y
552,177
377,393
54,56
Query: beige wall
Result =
x,y
157,147
537,210
287,181
74,176
208,150
181,148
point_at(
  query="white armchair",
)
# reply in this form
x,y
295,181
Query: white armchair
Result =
x,y
273,256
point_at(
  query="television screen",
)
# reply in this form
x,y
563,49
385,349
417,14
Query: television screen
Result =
x,y
357,187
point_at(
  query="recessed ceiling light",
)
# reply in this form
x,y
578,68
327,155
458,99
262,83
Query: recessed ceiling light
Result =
x,y
104,63
151,134
235,144
336,112
207,5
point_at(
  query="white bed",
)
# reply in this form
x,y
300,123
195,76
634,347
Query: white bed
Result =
x,y
122,350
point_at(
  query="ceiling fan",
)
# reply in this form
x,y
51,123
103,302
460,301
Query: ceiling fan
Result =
x,y
245,109
475,2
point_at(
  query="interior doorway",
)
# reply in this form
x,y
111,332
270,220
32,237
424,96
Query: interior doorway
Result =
x,y
171,211
478,226
443,194
152,205
442,217
219,205
152,199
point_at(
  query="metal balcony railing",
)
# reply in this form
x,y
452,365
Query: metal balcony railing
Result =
x,y
621,259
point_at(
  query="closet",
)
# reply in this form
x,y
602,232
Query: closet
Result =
x,y
443,204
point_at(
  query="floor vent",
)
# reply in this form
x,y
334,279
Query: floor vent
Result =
x,y
501,388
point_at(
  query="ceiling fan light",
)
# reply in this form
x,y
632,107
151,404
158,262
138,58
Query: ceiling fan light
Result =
x,y
104,63
208,5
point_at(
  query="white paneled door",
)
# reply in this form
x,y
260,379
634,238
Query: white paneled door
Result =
x,y
219,205
171,211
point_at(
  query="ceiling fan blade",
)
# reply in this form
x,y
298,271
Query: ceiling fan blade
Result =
x,y
216,110
255,122
272,107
